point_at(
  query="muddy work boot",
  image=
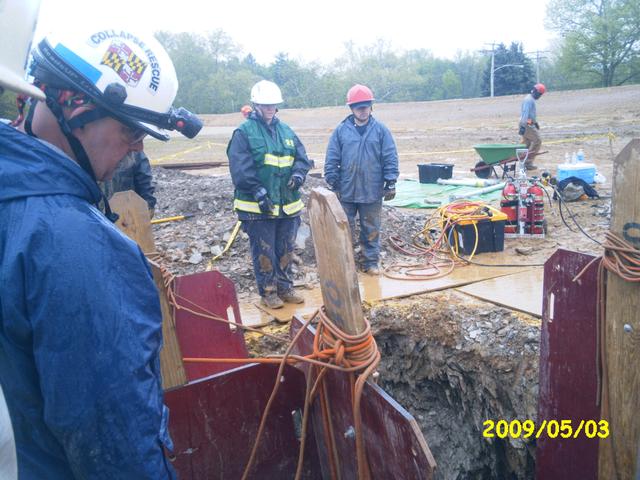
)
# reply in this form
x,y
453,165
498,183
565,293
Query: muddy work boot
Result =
x,y
373,271
271,300
290,296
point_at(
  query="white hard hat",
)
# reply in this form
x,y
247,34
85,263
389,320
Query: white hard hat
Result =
x,y
266,93
129,76
17,24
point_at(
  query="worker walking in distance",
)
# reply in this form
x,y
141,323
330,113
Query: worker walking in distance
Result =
x,y
80,319
268,166
529,124
361,167
246,110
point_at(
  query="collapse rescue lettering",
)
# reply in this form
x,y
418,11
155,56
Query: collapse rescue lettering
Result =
x,y
155,71
99,37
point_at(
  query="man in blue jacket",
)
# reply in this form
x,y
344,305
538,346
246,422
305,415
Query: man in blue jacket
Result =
x,y
361,167
268,165
80,320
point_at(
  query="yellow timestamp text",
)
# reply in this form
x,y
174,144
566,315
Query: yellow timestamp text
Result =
x,y
549,428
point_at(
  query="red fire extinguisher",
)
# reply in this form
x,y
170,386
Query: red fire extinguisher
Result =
x,y
536,209
509,206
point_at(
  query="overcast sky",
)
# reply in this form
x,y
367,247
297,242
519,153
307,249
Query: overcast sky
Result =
x,y
318,30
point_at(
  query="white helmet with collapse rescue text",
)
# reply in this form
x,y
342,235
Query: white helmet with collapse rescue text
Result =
x,y
126,75
266,93
17,24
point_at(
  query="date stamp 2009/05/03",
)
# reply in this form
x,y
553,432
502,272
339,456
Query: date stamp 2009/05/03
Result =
x,y
550,428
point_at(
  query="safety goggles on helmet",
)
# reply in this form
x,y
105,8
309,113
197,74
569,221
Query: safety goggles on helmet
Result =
x,y
126,77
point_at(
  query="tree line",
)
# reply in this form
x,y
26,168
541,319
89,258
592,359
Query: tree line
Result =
x,y
599,46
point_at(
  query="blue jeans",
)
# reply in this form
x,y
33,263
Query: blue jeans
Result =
x,y
370,216
272,242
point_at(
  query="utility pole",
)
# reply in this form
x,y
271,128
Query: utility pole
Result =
x,y
538,58
493,66
493,62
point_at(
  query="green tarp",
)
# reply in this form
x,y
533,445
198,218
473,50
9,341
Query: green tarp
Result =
x,y
413,194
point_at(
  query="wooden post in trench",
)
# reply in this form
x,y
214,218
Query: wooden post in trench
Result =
x,y
134,222
619,454
336,266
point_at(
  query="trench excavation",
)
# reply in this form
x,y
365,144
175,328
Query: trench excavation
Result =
x,y
453,362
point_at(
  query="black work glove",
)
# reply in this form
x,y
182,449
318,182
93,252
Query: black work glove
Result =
x,y
264,202
536,125
295,182
521,130
389,191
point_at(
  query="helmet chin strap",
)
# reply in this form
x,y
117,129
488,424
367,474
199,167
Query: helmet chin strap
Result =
x,y
52,95
76,147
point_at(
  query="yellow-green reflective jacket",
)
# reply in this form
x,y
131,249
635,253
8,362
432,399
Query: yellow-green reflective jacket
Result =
x,y
273,160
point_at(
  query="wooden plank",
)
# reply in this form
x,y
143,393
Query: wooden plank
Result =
x,y
336,266
618,453
520,291
377,288
134,222
134,219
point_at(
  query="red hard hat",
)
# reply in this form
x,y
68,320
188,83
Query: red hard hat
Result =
x,y
246,110
359,93
540,88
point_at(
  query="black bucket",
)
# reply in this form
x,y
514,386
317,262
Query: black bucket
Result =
x,y
431,172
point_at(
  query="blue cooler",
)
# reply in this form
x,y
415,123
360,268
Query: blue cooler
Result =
x,y
584,171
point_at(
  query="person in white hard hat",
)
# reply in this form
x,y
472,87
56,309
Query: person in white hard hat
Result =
x,y
17,24
268,166
80,319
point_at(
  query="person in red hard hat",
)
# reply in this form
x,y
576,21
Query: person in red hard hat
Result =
x,y
529,124
361,167
246,110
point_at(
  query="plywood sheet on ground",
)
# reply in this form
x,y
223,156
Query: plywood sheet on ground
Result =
x,y
255,315
375,289
521,291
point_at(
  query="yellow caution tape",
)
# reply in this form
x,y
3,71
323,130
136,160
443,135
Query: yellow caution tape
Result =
x,y
610,135
234,234
208,145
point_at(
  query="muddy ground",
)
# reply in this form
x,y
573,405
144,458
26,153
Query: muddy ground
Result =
x,y
451,360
